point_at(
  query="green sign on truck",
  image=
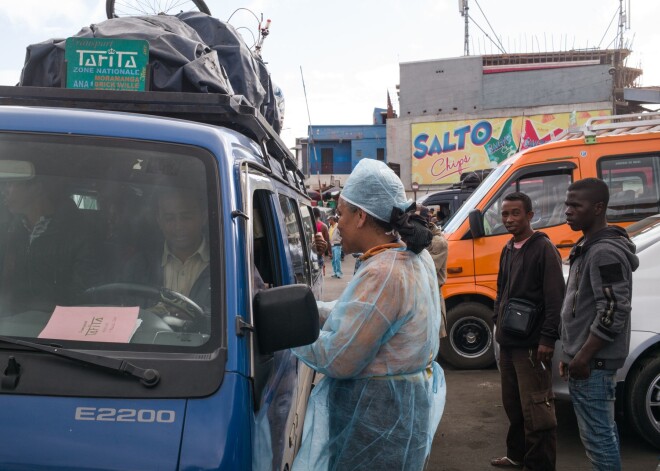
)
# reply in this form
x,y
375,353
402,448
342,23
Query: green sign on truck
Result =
x,y
106,64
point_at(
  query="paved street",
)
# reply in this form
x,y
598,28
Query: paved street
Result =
x,y
473,427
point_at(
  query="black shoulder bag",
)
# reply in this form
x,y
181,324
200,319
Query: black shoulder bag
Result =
x,y
519,315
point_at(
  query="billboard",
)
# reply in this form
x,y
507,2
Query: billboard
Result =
x,y
441,151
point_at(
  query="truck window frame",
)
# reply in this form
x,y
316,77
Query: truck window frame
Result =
x,y
560,167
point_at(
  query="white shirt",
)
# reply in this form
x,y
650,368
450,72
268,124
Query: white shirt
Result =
x,y
180,276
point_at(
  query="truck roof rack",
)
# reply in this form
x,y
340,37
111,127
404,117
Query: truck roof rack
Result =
x,y
613,125
231,111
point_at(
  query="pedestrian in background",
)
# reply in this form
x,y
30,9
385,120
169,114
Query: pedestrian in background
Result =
x,y
530,283
335,242
439,251
382,395
596,318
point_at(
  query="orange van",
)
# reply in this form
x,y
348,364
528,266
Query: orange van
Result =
x,y
623,150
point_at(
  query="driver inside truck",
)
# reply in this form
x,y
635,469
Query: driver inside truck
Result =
x,y
181,263
48,257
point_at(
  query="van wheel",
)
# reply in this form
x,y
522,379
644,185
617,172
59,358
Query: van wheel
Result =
x,y
469,341
643,400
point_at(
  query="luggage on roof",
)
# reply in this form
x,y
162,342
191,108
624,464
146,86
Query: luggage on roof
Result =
x,y
188,52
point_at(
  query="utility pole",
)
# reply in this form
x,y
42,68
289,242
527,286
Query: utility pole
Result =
x,y
463,9
624,24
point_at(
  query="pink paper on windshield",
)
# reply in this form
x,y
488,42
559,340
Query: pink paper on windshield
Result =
x,y
92,324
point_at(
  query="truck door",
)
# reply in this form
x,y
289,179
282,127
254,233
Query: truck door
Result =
x,y
274,376
546,185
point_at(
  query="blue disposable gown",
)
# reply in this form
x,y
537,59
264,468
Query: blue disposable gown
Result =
x,y
382,396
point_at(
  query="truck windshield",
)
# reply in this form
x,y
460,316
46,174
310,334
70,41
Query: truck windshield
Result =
x,y
457,219
106,241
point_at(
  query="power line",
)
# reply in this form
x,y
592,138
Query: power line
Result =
x,y
486,34
491,27
608,27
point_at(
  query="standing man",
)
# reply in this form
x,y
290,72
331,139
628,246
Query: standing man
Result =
x,y
530,270
335,241
596,318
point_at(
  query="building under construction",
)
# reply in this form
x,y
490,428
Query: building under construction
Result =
x,y
471,112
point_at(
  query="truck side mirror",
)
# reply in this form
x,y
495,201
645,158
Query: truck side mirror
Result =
x,y
285,317
476,223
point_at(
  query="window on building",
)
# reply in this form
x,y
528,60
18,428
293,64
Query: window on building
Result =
x,y
396,168
380,154
327,161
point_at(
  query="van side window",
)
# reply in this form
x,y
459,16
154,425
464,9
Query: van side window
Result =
x,y
547,191
294,238
264,275
309,230
633,184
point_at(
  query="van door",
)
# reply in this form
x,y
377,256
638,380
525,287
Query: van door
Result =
x,y
274,376
299,226
546,185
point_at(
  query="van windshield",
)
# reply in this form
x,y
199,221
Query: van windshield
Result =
x,y
457,219
106,241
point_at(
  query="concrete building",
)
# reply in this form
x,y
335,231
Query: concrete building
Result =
x,y
472,112
330,152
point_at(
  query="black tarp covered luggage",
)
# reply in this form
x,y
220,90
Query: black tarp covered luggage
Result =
x,y
189,52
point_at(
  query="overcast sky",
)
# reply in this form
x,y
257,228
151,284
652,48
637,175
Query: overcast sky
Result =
x,y
350,51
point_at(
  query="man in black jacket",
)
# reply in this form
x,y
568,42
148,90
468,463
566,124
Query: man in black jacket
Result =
x,y
530,269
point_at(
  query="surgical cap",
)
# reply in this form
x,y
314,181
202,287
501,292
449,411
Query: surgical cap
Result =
x,y
373,187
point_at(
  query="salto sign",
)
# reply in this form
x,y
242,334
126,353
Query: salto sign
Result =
x,y
442,150
106,64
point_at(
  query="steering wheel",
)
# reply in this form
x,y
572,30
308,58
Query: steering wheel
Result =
x,y
181,303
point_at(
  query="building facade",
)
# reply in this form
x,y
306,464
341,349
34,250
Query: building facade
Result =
x,y
473,112
331,152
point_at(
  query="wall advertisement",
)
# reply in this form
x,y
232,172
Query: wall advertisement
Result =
x,y
441,151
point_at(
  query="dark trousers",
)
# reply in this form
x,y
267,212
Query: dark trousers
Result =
x,y
529,404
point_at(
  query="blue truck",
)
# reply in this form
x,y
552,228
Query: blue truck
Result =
x,y
160,377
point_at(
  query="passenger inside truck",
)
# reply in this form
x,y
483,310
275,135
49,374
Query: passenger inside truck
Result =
x,y
49,256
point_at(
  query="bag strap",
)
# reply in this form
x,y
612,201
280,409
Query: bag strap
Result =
x,y
509,261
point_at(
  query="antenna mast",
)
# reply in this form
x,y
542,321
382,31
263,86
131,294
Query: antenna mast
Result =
x,y
310,137
622,24
463,9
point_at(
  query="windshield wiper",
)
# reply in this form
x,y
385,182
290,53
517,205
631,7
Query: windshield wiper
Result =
x,y
149,377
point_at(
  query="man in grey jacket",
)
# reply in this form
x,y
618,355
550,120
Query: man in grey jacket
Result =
x,y
596,318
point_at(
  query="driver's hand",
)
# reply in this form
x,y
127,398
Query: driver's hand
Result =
x,y
159,309
172,316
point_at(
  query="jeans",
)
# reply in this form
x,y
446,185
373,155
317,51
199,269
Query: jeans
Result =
x,y
593,401
336,260
529,405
